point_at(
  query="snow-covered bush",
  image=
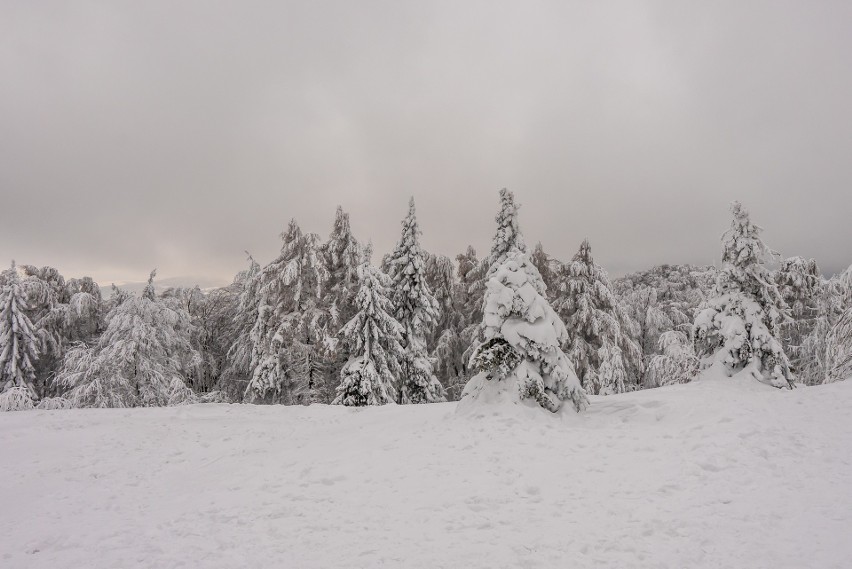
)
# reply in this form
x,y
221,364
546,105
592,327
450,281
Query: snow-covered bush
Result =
x,y
738,328
677,363
521,356
16,398
52,403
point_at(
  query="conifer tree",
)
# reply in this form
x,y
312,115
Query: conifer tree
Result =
x,y
738,328
143,358
508,238
416,309
547,268
520,358
374,338
343,256
600,335
286,338
462,320
238,371
18,345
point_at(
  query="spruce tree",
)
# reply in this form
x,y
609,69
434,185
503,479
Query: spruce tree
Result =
x,y
600,336
287,341
343,256
18,344
142,359
738,328
416,309
508,238
374,338
520,358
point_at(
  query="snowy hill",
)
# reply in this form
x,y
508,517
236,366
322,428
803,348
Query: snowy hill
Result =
x,y
718,473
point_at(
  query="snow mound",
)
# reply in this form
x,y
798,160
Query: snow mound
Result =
x,y
696,475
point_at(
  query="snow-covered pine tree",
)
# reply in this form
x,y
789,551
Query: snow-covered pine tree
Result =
x,y
374,338
142,359
799,281
343,256
463,318
738,328
416,309
238,363
662,299
521,358
18,346
547,268
287,335
826,352
508,238
600,332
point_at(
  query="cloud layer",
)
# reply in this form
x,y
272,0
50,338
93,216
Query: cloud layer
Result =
x,y
177,135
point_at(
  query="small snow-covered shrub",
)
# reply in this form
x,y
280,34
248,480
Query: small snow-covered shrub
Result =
x,y
52,403
678,362
16,398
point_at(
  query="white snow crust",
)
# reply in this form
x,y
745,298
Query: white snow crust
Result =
x,y
721,472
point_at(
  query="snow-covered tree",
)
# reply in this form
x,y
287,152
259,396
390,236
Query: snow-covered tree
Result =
x,y
508,238
342,255
521,358
738,328
142,358
677,363
287,335
416,309
374,338
238,367
461,318
799,281
18,345
547,267
826,352
600,332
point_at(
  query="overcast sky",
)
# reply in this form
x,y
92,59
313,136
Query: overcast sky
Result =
x,y
177,134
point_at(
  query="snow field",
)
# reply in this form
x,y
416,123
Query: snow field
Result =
x,y
717,473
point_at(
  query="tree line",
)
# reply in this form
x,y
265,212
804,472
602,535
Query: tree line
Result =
x,y
324,323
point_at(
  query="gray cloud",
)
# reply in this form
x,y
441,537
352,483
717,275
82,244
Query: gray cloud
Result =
x,y
176,135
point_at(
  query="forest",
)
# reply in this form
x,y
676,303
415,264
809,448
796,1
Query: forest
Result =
x,y
324,322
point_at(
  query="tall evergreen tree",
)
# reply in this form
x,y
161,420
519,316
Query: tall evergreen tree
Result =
x,y
287,341
343,256
600,336
416,309
374,338
239,361
738,328
18,343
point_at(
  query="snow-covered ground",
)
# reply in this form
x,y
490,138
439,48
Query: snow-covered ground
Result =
x,y
715,474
